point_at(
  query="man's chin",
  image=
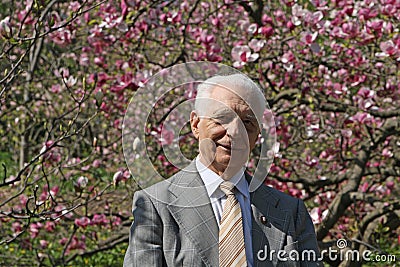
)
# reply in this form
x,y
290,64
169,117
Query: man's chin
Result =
x,y
228,166
227,159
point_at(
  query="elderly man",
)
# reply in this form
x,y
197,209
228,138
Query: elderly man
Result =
x,y
205,215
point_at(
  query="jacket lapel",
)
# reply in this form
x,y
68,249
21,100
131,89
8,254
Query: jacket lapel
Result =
x,y
193,212
270,224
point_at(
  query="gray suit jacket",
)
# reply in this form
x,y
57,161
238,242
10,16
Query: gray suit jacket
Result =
x,y
174,225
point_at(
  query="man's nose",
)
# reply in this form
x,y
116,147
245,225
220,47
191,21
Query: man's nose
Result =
x,y
235,128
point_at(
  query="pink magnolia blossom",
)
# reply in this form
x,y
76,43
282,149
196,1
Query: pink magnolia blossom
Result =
x,y
216,22
342,227
5,28
49,226
366,98
362,117
207,38
290,25
266,31
118,177
56,88
316,215
252,28
61,211
390,185
96,163
351,29
319,3
346,133
308,37
364,187
62,37
388,49
199,55
367,13
242,54
101,77
124,8
116,221
288,57
244,25
50,154
388,27
366,38
256,44
43,243
111,19
213,53
358,79
274,169
62,72
81,182
75,244
279,16
387,153
74,6
99,219
375,25
296,192
267,20
298,14
82,222
312,161
70,81
126,81
23,199
16,227
366,93
389,9
313,18
99,61
63,241
34,229
23,15
167,136
44,195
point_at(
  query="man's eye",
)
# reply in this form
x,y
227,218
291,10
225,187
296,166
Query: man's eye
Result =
x,y
248,122
250,125
217,122
221,120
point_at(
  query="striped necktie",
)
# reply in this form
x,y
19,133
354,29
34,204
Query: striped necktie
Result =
x,y
231,238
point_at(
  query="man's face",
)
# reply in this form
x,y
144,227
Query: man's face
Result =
x,y
227,131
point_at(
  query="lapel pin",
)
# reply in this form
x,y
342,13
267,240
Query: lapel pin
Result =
x,y
263,220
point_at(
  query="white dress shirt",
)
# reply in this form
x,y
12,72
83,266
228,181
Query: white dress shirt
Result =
x,y
218,198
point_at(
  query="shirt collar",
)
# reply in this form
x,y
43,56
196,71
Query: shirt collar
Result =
x,y
212,181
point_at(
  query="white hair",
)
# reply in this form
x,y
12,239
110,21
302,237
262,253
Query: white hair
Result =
x,y
237,83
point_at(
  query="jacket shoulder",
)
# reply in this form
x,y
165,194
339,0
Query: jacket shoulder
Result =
x,y
277,198
160,191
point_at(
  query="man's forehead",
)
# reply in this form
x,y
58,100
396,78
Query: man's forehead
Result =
x,y
221,96
229,92
231,111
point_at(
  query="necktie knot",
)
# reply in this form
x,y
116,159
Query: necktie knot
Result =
x,y
227,187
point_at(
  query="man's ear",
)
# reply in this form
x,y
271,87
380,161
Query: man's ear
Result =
x,y
194,122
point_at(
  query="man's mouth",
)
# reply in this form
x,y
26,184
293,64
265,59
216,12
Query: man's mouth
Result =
x,y
226,146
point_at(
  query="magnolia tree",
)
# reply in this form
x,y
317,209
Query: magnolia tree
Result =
x,y
329,70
